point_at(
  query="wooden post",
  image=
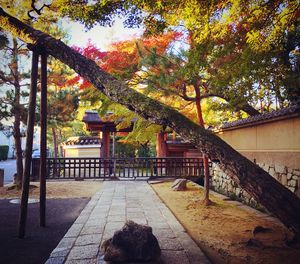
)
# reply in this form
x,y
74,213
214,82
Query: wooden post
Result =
x,y
105,151
1,177
161,152
114,153
105,145
206,180
114,145
161,145
29,141
43,139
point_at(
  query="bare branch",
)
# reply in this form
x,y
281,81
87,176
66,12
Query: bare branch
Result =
x,y
36,10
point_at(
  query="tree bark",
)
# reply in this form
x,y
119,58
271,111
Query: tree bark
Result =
x,y
29,142
247,108
206,200
242,106
271,194
17,115
19,154
43,140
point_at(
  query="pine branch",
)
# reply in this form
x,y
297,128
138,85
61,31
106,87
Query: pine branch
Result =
x,y
5,79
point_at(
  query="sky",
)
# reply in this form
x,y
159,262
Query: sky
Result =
x,y
101,36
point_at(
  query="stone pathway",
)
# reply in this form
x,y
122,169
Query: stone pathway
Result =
x,y
116,202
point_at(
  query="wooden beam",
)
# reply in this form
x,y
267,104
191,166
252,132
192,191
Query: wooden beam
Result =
x,y
43,139
29,141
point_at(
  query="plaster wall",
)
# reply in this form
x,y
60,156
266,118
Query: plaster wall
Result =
x,y
82,152
274,146
274,143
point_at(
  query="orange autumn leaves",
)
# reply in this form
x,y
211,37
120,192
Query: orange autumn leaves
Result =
x,y
123,59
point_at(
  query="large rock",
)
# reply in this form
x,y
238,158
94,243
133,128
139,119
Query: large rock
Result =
x,y
133,242
179,185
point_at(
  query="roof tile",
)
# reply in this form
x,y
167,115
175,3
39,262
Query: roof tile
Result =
x,y
294,109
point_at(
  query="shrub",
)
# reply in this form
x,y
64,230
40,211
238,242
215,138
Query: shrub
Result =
x,y
4,152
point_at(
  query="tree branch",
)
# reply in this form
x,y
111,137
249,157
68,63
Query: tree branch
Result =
x,y
5,79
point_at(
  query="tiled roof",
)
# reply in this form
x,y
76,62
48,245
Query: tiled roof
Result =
x,y
91,117
82,141
292,110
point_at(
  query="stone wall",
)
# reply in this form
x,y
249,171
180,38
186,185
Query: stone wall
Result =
x,y
221,183
288,177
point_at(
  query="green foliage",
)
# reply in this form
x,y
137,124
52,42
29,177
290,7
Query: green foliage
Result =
x,y
146,151
131,149
102,12
216,112
13,80
62,105
4,152
125,150
246,51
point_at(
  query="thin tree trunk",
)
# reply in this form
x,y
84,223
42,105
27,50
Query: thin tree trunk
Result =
x,y
266,190
17,116
29,141
19,155
43,140
206,200
54,138
60,148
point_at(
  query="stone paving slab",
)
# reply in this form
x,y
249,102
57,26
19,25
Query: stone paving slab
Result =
x,y
107,211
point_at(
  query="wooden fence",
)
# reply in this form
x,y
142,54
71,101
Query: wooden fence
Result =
x,y
93,168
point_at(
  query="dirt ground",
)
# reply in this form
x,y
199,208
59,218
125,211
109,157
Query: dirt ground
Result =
x,y
227,231
61,189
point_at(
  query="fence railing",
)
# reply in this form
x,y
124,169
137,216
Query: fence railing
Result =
x,y
91,168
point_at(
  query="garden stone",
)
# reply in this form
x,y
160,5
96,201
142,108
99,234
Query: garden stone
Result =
x,y
284,180
296,172
133,242
179,185
292,183
280,168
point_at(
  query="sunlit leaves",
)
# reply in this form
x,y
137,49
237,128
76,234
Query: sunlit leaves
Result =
x,y
101,12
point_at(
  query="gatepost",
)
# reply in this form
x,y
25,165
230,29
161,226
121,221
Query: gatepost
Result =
x,y
1,177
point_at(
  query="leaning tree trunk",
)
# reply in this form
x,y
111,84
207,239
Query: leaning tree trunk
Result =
x,y
275,197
